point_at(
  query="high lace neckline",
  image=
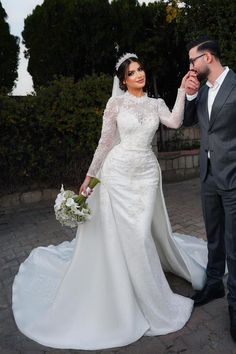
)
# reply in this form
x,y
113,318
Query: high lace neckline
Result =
x,y
135,98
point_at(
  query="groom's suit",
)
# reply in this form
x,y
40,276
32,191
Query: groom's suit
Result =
x,y
218,176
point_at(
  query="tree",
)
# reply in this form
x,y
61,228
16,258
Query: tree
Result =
x,y
9,50
80,37
214,18
69,38
127,25
163,50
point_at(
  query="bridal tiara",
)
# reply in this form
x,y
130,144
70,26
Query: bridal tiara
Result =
x,y
124,57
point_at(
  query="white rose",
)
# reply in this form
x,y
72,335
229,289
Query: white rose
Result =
x,y
59,200
70,202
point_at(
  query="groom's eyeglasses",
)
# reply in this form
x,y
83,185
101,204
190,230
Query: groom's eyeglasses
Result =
x,y
192,60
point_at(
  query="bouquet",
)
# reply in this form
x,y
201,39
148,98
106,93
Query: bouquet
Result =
x,y
72,209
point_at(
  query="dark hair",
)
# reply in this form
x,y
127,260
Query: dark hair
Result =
x,y
122,71
206,44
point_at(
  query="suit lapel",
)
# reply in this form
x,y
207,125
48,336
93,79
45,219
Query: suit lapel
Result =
x,y
224,91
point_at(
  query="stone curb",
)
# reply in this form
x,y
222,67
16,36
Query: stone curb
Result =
x,y
13,200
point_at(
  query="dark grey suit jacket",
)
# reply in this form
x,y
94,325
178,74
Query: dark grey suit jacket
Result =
x,y
217,134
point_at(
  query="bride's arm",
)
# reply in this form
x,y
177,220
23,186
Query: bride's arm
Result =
x,y
107,138
175,118
105,143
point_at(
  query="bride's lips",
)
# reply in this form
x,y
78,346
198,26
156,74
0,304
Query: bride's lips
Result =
x,y
140,81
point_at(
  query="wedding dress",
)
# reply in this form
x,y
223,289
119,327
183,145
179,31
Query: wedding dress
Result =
x,y
107,287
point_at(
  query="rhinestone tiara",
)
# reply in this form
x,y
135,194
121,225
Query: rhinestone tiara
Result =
x,y
123,58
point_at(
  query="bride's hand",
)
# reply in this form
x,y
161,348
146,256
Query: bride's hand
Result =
x,y
84,186
190,83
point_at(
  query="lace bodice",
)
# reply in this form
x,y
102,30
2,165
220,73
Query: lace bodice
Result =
x,y
132,121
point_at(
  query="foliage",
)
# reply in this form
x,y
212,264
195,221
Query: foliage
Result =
x,y
81,37
50,137
9,50
68,38
214,18
177,142
163,51
127,25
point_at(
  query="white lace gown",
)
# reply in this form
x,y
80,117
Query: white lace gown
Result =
x,y
107,288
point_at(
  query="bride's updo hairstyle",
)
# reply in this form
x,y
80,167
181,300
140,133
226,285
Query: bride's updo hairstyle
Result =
x,y
122,71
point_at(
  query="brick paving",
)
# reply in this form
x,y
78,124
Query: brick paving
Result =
x,y
207,331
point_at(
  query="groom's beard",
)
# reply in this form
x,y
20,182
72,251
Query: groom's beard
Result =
x,y
203,75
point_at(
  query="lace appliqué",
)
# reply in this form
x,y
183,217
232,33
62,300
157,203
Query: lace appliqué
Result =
x,y
133,121
175,118
140,115
137,106
108,137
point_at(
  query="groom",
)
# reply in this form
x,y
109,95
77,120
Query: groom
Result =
x,y
213,106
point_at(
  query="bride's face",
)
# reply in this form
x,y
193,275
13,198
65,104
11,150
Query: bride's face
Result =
x,y
135,76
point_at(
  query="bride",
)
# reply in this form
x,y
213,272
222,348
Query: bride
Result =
x,y
107,287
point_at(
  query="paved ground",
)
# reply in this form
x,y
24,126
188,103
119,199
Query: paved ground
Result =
x,y
207,332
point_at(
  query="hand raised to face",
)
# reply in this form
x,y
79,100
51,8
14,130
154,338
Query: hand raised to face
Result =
x,y
191,83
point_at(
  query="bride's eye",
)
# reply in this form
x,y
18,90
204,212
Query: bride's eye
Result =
x,y
140,69
130,73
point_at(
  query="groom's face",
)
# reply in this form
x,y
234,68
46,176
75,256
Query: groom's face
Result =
x,y
198,63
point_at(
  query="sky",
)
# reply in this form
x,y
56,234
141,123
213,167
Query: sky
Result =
x,y
17,10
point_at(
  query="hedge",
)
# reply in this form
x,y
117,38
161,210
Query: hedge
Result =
x,y
49,138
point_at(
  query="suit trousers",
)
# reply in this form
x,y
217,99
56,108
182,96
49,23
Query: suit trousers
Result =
x,y
219,212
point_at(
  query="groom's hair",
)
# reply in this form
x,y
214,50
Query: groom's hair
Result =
x,y
206,44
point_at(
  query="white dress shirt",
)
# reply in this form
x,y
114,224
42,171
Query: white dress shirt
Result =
x,y
213,89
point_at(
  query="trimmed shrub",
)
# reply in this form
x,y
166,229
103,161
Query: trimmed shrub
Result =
x,y
49,138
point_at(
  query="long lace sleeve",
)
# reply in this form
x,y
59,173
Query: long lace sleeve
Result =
x,y
108,136
175,118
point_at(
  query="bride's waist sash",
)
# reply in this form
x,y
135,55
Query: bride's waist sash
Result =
x,y
134,147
